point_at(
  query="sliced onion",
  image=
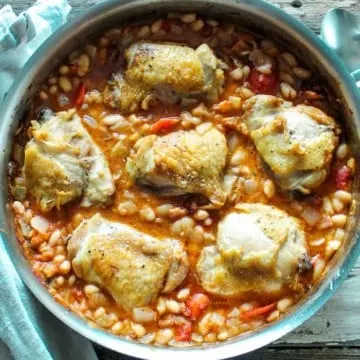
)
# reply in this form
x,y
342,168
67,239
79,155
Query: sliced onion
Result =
x,y
217,319
144,315
39,224
25,228
233,141
317,242
63,100
90,121
250,186
311,216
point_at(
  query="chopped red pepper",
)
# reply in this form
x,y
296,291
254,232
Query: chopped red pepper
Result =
x,y
77,294
166,25
258,311
73,68
183,332
196,305
343,177
243,42
314,259
80,94
163,125
263,83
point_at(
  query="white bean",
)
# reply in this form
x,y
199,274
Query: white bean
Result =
x,y
318,269
328,206
337,204
274,315
302,73
237,74
163,336
339,220
289,58
147,214
144,31
100,311
163,210
183,226
117,327
343,196
65,267
18,207
156,26
161,307
197,234
201,215
173,306
283,304
287,78
342,151
183,294
198,25
188,18
223,336
331,247
269,188
54,237
339,234
138,329
91,289
43,95
127,208
58,259
65,84
287,90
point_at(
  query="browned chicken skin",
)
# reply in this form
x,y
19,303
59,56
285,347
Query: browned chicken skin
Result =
x,y
296,142
169,71
258,249
62,163
134,267
182,162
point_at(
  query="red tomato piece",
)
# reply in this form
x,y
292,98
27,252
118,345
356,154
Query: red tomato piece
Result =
x,y
263,83
314,259
166,25
343,177
183,332
73,68
80,94
258,311
196,305
163,125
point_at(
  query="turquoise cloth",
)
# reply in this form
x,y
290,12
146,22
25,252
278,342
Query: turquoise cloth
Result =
x,y
27,330
21,35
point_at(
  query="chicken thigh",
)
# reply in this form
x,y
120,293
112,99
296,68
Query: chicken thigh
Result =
x,y
167,70
182,162
296,142
132,266
62,163
259,249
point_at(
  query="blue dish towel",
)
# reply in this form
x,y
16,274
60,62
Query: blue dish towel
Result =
x,y
27,330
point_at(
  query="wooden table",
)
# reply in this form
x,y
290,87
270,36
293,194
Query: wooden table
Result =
x,y
333,333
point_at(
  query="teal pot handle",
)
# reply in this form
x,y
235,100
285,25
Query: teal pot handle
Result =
x,y
340,29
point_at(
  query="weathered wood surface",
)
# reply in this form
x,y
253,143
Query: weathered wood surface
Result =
x,y
333,333
272,353
309,11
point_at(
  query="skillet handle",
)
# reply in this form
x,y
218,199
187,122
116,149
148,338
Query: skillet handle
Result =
x,y
356,75
340,29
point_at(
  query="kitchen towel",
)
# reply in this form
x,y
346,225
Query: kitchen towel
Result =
x,y
28,331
